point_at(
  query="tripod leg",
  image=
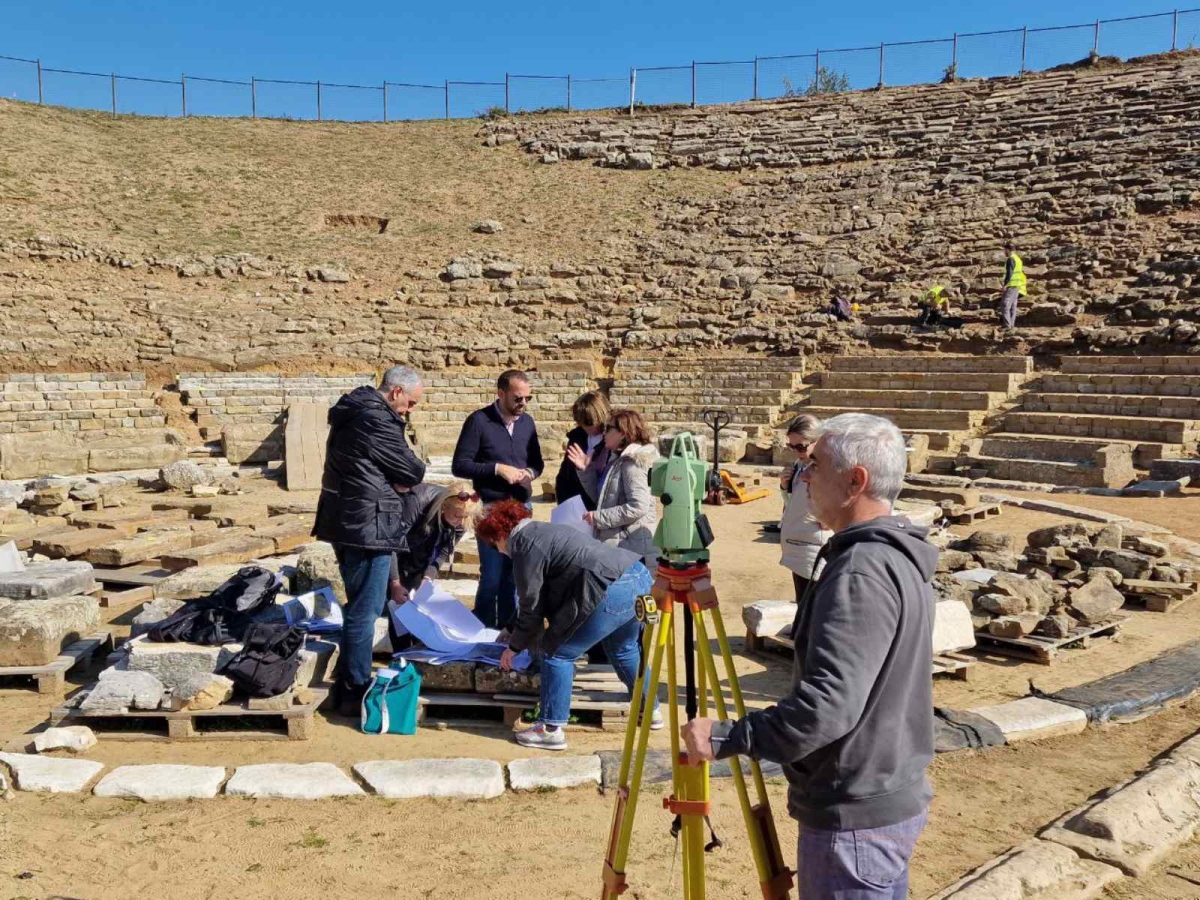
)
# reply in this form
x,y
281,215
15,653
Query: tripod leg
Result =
x,y
773,875
633,759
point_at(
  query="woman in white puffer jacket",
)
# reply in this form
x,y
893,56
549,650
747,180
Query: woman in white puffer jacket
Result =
x,y
800,535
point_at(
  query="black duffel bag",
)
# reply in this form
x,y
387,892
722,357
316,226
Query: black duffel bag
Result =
x,y
224,615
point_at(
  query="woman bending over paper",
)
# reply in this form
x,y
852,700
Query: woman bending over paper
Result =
x,y
583,590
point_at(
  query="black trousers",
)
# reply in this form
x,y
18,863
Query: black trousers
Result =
x,y
801,585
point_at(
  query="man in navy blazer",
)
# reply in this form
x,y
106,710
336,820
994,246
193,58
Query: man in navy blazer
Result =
x,y
498,450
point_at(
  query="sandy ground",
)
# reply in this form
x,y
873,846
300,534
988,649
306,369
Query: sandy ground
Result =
x,y
534,846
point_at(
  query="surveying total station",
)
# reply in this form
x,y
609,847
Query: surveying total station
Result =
x,y
683,582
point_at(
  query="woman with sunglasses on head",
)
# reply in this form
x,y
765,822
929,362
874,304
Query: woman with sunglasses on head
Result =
x,y
626,513
800,535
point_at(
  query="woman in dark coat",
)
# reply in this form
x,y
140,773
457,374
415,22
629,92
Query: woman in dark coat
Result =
x,y
575,592
591,413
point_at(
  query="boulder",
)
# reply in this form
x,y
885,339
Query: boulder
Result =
x,y
1046,537
34,632
1128,562
317,567
954,560
1014,626
184,475
1112,575
487,226
1109,537
990,542
76,738
1145,545
1001,562
1056,626
1096,601
119,690
769,617
1000,604
1034,592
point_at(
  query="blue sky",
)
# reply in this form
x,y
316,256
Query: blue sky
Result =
x,y
477,41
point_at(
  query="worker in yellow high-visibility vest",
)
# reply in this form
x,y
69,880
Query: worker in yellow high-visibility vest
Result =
x,y
934,306
1014,286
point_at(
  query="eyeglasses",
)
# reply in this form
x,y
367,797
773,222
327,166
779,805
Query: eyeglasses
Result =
x,y
524,399
799,448
464,496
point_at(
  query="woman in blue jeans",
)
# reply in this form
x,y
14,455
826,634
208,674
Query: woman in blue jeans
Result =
x,y
575,592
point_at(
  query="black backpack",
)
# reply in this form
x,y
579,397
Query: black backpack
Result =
x,y
268,661
224,615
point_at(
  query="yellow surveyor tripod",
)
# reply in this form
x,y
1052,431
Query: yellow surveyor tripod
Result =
x,y
690,590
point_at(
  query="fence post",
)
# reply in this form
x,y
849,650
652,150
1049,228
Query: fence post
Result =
x,y
318,101
447,99
568,93
183,90
253,98
385,101
817,73
881,63
39,67
1096,40
506,107
693,84
113,75
756,78
1024,42
1174,39
632,89
954,55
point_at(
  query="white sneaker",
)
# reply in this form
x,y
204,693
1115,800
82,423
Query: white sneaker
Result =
x,y
541,737
656,720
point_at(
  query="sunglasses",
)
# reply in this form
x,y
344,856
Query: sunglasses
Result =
x,y
799,448
464,496
612,426
524,399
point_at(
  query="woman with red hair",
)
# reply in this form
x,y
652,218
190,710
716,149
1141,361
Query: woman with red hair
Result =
x,y
582,590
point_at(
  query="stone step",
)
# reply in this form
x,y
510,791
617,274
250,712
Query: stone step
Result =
x,y
910,420
715,364
746,415
780,381
998,382
1068,448
625,396
1167,431
1042,471
1019,365
1115,405
1152,385
932,400
1131,365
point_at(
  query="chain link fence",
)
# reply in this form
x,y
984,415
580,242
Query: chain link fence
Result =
x,y
701,83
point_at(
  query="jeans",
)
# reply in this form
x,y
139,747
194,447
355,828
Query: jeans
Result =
x,y
862,864
496,596
1008,307
365,573
613,624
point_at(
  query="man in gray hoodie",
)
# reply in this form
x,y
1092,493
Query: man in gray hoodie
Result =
x,y
855,735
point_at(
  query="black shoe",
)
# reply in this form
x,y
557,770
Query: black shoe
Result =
x,y
348,698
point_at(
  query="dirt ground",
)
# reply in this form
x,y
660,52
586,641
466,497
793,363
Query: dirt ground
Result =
x,y
543,845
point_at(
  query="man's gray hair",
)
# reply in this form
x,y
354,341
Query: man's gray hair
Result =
x,y
875,443
400,377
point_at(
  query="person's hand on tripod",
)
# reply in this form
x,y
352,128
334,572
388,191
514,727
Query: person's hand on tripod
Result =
x,y
697,739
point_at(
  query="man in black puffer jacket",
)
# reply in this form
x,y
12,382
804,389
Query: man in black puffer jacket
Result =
x,y
366,510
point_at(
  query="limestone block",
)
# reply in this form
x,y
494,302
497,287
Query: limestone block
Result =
x,y
952,629
1014,626
449,677
46,774
1138,823
291,781
33,632
150,545
185,669
76,738
1036,870
161,782
1046,537
152,613
769,617
146,456
1035,593
119,690
954,560
217,691
1034,717
466,779
316,568
184,475
1129,563
490,680
48,579
1000,604
554,773
252,443
196,581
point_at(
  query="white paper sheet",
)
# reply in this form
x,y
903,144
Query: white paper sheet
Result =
x,y
449,631
570,512
318,610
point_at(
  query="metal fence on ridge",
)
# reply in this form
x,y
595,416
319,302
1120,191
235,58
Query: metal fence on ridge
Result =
x,y
986,54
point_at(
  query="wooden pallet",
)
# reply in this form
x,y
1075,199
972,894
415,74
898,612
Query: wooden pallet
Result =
x,y
1158,596
1044,650
52,677
975,514
227,722
954,664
